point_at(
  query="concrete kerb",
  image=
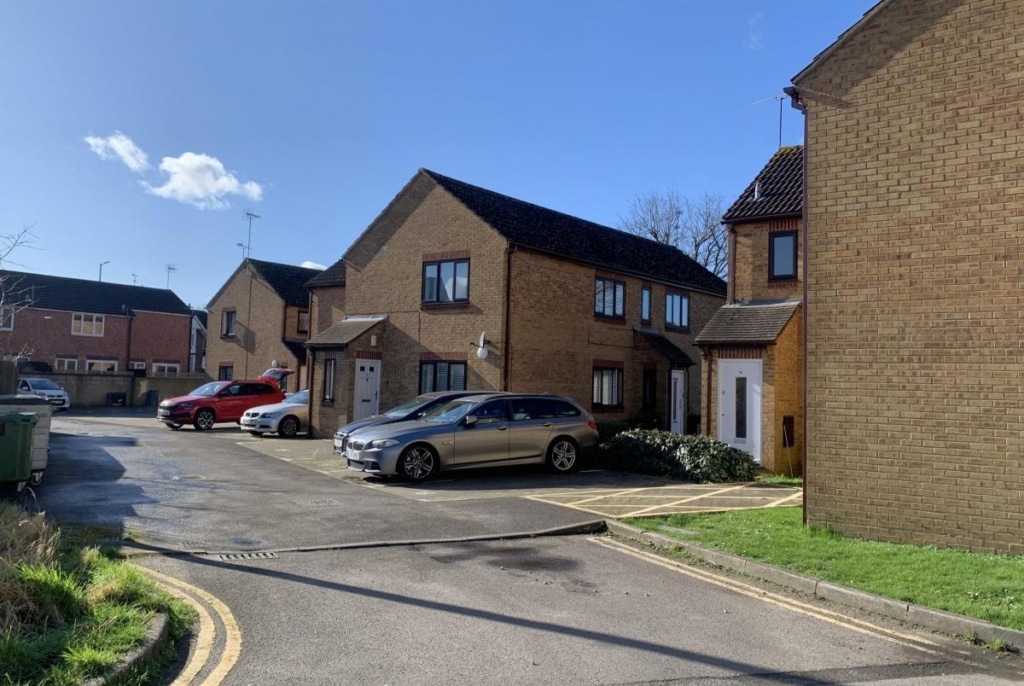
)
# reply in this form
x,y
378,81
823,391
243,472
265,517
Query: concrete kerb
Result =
x,y
156,636
938,620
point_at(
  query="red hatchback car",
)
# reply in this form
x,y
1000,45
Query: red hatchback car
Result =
x,y
217,401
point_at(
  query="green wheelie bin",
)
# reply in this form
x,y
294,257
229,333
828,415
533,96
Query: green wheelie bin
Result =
x,y
16,447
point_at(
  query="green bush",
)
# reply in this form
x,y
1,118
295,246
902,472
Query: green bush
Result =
x,y
607,430
689,458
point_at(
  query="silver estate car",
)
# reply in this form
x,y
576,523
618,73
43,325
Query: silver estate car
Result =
x,y
486,430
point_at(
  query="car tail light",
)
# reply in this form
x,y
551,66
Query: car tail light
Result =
x,y
592,424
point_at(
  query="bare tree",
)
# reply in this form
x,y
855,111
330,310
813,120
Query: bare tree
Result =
x,y
692,225
12,298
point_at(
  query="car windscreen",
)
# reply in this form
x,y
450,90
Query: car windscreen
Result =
x,y
450,412
44,385
406,408
209,389
300,398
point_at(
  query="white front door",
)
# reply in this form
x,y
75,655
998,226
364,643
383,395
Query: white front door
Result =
x,y
677,407
739,405
367,400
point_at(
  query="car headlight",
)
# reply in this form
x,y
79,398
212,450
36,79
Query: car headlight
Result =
x,y
270,415
382,443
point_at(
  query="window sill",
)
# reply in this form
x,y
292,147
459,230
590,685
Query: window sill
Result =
x,y
606,408
457,305
224,336
677,329
782,280
327,403
609,320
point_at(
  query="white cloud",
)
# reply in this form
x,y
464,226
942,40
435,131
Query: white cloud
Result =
x,y
309,264
202,181
755,36
123,148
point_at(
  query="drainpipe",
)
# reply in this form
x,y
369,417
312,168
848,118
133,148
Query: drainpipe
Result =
x,y
730,292
798,103
706,353
507,362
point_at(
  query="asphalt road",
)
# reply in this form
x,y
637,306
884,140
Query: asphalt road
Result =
x,y
565,610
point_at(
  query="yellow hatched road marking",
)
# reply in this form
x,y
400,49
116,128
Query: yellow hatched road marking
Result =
x,y
684,500
836,618
232,639
785,500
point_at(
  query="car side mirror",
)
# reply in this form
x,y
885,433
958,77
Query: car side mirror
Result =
x,y
470,420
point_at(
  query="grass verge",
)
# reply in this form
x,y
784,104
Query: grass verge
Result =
x,y
68,612
986,587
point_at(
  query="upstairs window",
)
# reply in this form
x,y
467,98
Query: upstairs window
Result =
x,y
227,323
6,318
86,324
446,282
609,298
782,256
303,322
645,305
677,311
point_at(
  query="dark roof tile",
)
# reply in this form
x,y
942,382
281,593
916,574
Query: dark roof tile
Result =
x,y
669,350
332,276
579,240
344,332
778,191
81,295
288,281
759,322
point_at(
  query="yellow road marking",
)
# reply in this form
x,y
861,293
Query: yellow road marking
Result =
x,y
613,494
232,638
836,618
684,500
786,499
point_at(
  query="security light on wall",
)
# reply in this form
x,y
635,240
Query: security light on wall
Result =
x,y
481,347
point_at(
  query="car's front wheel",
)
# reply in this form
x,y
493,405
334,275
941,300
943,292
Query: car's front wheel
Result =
x,y
204,420
418,462
563,456
173,426
288,427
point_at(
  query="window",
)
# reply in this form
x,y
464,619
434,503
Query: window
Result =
x,y
227,323
741,407
607,387
525,409
86,324
137,364
645,305
225,372
166,368
677,311
100,366
494,412
446,282
782,256
650,389
6,318
329,379
303,322
609,297
66,364
442,376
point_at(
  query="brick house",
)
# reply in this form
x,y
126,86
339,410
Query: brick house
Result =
x,y
76,325
260,316
752,349
913,297
197,344
454,286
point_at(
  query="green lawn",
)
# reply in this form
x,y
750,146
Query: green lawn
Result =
x,y
67,611
987,587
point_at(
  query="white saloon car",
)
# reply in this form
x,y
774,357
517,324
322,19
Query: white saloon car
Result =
x,y
45,388
285,418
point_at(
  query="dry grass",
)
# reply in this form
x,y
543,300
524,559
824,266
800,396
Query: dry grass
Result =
x,y
26,540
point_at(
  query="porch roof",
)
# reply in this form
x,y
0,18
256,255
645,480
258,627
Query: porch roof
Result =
x,y
665,347
746,323
344,332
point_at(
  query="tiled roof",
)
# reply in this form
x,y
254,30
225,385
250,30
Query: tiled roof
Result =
x,y
579,240
82,295
288,281
296,348
669,350
332,276
778,191
756,322
344,332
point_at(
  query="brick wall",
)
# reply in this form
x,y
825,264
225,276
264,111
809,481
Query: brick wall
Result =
x,y
155,336
259,329
749,278
915,179
327,307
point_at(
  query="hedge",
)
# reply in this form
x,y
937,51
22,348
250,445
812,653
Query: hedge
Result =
x,y
685,457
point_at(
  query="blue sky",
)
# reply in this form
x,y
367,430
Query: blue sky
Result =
x,y
140,132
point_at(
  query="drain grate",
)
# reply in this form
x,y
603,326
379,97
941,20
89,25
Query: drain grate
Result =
x,y
247,556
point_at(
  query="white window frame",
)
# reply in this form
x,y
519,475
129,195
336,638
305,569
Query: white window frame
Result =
x,y
330,379
608,384
7,318
89,361
166,369
65,364
136,364
95,321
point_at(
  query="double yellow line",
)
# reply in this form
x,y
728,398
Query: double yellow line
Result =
x,y
206,638
852,623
